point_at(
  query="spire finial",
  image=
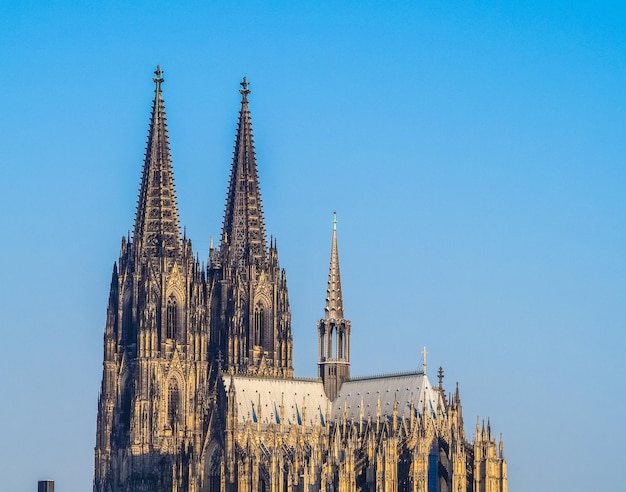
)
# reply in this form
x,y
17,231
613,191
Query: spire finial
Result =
x,y
334,221
244,91
440,376
158,80
424,353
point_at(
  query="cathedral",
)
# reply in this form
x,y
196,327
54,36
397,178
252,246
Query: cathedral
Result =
x,y
198,390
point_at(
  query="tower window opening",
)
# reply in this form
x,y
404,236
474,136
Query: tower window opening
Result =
x,y
340,345
173,400
330,342
259,326
172,318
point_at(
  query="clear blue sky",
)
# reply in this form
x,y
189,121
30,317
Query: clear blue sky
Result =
x,y
475,153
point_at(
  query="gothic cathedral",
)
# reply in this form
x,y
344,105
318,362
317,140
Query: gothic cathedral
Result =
x,y
198,392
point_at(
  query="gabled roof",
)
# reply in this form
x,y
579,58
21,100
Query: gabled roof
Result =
x,y
364,398
260,399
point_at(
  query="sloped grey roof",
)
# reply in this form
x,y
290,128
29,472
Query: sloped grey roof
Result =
x,y
259,399
360,398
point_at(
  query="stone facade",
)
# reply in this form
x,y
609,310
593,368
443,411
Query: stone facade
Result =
x,y
198,392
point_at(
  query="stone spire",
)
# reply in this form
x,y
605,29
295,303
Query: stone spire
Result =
x,y
334,299
243,233
157,231
333,331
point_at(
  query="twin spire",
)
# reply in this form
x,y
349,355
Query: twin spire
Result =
x,y
157,230
243,243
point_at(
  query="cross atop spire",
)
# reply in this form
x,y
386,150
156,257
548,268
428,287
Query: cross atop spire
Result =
x,y
334,298
158,79
157,230
244,91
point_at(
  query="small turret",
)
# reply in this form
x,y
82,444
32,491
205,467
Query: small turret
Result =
x,y
334,365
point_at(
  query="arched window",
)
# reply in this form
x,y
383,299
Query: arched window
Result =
x,y
172,318
329,346
444,465
173,401
215,473
259,325
340,344
433,468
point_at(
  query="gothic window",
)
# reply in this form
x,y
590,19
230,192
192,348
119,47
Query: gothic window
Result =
x,y
215,474
330,342
433,465
340,345
259,325
444,464
172,318
173,401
